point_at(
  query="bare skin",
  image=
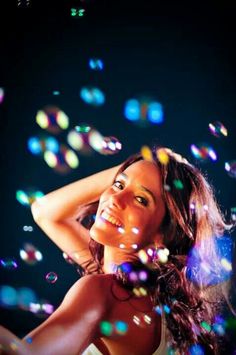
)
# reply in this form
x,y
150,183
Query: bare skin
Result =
x,y
133,200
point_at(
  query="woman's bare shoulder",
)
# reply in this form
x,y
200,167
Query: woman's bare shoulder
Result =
x,y
94,287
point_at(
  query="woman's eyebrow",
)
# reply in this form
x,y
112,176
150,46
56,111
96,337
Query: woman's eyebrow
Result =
x,y
123,175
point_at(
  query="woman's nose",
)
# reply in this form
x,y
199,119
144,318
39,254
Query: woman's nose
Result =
x,y
118,200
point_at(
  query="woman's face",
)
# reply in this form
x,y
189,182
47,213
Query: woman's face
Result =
x,y
131,211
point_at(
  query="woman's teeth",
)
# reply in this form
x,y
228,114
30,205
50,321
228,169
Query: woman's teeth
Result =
x,y
110,219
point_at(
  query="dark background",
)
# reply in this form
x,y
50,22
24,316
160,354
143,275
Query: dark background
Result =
x,y
180,53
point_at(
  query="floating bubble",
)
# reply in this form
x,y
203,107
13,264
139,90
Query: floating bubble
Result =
x,y
178,184
110,145
2,93
95,140
200,270
143,111
34,145
9,263
155,113
162,156
41,308
63,161
162,255
96,64
121,327
218,129
203,152
196,349
92,96
140,291
233,214
52,119
106,328
219,325
27,197
8,296
142,321
230,167
132,110
146,153
51,277
30,255
38,145
25,296
206,326
28,229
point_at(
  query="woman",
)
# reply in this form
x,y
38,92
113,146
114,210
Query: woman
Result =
x,y
137,295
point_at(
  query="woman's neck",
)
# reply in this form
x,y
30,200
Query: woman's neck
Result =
x,y
113,257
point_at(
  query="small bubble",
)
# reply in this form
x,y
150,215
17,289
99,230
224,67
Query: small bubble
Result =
x,y
51,277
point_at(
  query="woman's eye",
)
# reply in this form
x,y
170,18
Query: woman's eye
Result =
x,y
118,184
142,200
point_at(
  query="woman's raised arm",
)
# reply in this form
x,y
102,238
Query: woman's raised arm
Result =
x,y
71,328
56,213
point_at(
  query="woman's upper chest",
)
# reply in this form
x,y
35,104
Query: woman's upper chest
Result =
x,y
130,326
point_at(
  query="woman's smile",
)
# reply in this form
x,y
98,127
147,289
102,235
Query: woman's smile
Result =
x,y
108,217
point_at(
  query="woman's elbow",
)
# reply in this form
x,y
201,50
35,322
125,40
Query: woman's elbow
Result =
x,y
35,211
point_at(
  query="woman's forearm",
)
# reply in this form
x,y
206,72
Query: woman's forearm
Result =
x,y
62,203
11,344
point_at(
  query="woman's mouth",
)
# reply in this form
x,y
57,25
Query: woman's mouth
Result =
x,y
111,219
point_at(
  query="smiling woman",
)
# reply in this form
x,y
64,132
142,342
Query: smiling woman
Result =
x,y
131,230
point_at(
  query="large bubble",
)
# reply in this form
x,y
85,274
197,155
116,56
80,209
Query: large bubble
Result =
x,y
203,152
144,111
52,119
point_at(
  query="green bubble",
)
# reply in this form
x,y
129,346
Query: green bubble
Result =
x,y
106,328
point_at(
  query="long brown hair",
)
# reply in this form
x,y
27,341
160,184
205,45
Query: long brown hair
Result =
x,y
193,219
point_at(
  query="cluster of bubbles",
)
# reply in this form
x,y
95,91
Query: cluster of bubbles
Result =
x,y
85,138
152,254
199,269
28,196
23,298
143,111
118,327
205,152
57,156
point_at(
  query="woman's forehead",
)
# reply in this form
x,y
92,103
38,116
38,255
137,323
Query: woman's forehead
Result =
x,y
145,173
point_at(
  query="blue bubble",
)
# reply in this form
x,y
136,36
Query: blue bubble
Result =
x,y
34,145
155,112
199,274
132,110
196,350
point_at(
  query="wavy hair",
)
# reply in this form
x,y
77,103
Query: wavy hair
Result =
x,y
193,219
